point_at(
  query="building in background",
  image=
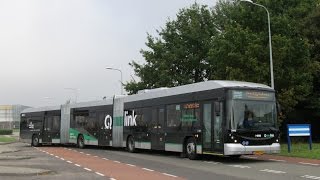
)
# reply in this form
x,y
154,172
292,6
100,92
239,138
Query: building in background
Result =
x,y
10,116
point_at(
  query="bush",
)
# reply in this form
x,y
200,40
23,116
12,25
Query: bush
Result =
x,y
5,131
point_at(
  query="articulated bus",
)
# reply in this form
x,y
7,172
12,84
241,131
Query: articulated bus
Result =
x,y
228,118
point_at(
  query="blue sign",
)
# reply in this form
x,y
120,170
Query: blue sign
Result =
x,y
299,130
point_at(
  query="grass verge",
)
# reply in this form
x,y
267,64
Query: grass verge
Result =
x,y
301,150
6,139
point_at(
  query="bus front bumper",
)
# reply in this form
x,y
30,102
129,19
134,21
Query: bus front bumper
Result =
x,y
238,149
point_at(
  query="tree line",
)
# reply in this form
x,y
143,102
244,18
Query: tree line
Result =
x,y
229,41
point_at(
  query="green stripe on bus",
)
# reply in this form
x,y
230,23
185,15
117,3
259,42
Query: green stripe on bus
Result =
x,y
118,121
73,134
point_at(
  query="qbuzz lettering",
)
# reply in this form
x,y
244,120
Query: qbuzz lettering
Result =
x,y
108,122
129,120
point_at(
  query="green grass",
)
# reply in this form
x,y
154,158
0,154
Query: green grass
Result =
x,y
301,150
6,139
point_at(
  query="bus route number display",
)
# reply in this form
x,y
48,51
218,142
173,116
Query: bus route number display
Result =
x,y
254,95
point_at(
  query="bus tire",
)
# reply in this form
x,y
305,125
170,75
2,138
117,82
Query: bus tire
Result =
x,y
35,141
191,148
130,144
80,142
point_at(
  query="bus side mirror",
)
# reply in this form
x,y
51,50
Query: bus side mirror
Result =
x,y
217,108
278,108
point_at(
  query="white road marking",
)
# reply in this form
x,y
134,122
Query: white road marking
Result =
x,y
57,156
312,164
69,162
113,179
147,169
278,160
62,159
99,174
87,169
95,156
116,161
105,158
51,154
211,162
69,149
131,165
169,175
273,171
81,152
240,166
251,157
88,154
77,165
310,177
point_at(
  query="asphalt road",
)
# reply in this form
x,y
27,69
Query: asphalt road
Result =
x,y
110,163
208,167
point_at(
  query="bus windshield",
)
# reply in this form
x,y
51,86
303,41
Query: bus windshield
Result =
x,y
252,110
256,115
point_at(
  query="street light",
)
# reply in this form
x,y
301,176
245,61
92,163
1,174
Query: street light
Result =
x,y
75,91
111,68
270,46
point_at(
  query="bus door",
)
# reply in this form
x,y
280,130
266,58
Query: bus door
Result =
x,y
51,129
212,126
105,124
157,129
47,128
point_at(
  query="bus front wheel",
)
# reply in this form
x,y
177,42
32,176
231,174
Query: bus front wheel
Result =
x,y
191,149
80,142
35,141
130,145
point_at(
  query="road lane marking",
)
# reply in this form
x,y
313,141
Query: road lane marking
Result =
x,y
312,164
99,174
278,160
95,156
81,152
69,162
77,165
273,171
113,179
147,169
62,159
87,169
131,165
169,175
240,166
310,177
51,155
105,158
57,156
250,157
88,154
116,161
211,162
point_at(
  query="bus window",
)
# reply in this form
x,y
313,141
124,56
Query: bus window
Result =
x,y
190,115
173,115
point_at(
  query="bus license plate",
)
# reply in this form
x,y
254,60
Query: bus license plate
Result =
x,y
258,152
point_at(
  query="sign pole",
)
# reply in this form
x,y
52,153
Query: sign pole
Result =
x,y
289,141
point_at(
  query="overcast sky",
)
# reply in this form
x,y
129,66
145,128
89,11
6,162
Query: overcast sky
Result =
x,y
48,46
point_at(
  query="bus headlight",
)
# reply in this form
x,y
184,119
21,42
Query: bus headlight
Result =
x,y
277,140
235,141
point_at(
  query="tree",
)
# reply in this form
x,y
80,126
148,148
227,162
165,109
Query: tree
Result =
x,y
230,41
180,54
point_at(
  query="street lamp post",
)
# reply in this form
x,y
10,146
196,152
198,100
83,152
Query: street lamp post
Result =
x,y
270,46
110,68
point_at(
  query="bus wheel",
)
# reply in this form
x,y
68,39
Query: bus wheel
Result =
x,y
35,141
80,142
130,144
191,149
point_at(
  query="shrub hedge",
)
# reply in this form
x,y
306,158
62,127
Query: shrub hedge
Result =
x,y
5,131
